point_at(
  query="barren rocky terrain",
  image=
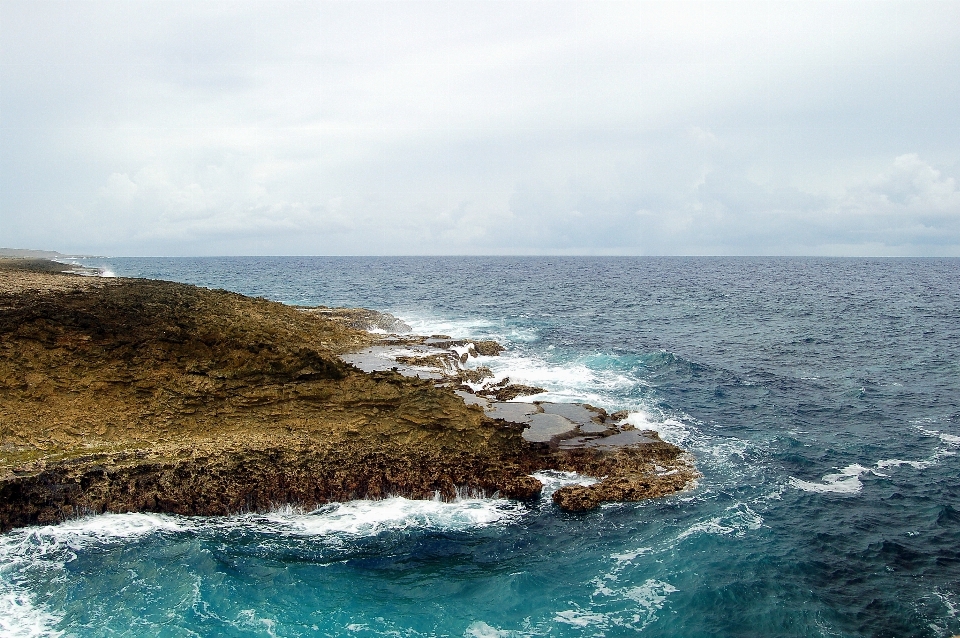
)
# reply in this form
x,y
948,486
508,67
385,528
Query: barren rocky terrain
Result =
x,y
141,395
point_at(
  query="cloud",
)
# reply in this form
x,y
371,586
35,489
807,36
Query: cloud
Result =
x,y
911,206
910,184
908,208
213,205
405,127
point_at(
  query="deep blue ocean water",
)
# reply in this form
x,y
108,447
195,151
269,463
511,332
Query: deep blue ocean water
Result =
x,y
821,398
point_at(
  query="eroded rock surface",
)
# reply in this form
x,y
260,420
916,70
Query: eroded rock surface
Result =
x,y
632,464
137,395
636,473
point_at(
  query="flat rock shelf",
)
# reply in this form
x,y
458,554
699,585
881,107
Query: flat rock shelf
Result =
x,y
441,359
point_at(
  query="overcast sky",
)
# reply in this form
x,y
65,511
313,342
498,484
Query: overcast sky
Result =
x,y
638,128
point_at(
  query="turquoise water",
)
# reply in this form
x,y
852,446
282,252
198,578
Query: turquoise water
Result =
x,y
821,398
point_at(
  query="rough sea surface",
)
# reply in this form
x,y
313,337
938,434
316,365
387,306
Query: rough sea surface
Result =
x,y
821,398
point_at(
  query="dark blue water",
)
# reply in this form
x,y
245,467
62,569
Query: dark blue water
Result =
x,y
821,398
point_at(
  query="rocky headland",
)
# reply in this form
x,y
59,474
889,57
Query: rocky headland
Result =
x,y
140,395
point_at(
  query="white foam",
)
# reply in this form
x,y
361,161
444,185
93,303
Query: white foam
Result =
x,y
480,629
20,619
736,520
934,460
472,328
369,518
588,378
920,465
950,608
53,546
946,599
775,495
581,618
571,382
248,619
628,557
565,381
651,595
463,350
670,430
353,518
645,599
949,439
553,480
846,481
77,533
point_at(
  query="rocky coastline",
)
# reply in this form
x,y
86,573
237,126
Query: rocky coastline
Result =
x,y
140,395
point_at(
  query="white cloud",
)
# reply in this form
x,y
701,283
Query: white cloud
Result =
x,y
155,208
406,127
911,184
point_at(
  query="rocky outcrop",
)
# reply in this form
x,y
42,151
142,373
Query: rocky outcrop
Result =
x,y
630,473
510,391
137,395
361,319
220,482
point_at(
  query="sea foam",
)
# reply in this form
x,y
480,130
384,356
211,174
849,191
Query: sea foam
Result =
x,y
846,481
553,480
19,618
369,518
736,520
48,549
671,430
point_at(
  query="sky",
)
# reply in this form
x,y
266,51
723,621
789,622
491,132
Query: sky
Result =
x,y
494,127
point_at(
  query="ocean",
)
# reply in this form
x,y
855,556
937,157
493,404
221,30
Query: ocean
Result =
x,y
820,397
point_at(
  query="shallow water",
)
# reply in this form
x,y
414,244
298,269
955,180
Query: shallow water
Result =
x,y
821,398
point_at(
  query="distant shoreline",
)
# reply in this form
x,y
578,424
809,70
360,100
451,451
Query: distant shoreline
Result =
x,y
27,253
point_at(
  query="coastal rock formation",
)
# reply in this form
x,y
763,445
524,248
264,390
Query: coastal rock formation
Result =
x,y
631,473
139,395
361,319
